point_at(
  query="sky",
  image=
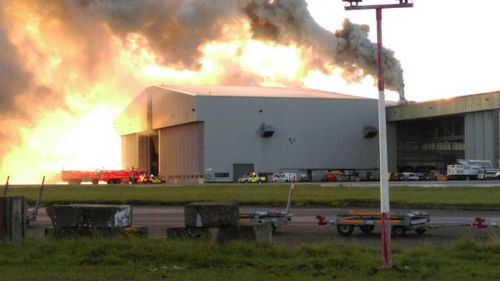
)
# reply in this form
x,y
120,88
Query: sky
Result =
x,y
447,48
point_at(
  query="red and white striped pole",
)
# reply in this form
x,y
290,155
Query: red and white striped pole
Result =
x,y
385,232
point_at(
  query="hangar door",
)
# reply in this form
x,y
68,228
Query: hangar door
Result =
x,y
181,153
242,169
140,151
430,144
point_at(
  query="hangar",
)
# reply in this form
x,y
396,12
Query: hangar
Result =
x,y
431,135
194,134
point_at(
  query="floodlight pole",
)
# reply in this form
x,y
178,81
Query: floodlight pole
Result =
x,y
385,232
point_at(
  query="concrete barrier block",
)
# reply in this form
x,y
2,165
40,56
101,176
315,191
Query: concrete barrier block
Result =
x,y
249,232
78,232
90,216
211,214
64,215
259,232
189,233
224,234
177,233
107,232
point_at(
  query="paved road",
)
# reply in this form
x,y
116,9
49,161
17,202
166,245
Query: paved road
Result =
x,y
473,183
447,223
303,228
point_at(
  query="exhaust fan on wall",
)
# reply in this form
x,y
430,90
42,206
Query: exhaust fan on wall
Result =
x,y
266,131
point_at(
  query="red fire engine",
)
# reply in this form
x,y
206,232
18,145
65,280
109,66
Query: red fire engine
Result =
x,y
108,176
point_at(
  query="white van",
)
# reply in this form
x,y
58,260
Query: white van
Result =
x,y
285,177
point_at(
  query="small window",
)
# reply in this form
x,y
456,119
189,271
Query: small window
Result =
x,y
222,175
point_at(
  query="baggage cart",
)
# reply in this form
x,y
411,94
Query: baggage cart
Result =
x,y
276,218
400,222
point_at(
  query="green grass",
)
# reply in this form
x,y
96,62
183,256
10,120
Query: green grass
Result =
x,y
161,259
273,195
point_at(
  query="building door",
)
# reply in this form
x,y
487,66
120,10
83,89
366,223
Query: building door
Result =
x,y
180,153
153,152
242,169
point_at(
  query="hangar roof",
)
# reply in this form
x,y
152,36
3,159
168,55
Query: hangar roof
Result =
x,y
254,91
169,105
443,107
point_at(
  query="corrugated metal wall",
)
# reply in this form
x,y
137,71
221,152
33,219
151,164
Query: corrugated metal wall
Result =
x,y
130,151
181,153
481,136
136,152
316,134
144,155
171,108
137,116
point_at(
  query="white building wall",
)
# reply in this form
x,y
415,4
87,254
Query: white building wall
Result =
x,y
309,133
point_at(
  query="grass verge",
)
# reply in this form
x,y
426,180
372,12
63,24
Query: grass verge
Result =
x,y
272,195
161,259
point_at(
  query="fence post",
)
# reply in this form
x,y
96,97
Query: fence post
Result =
x,y
12,218
3,217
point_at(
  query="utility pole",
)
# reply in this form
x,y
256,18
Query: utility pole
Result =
x,y
385,233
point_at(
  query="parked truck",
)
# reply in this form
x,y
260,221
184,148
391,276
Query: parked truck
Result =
x,y
108,176
471,169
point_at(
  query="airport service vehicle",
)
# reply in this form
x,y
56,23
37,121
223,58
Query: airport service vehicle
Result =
x,y
275,217
329,177
108,176
337,175
151,179
285,177
408,176
252,178
401,222
471,169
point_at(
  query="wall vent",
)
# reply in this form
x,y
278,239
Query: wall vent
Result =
x,y
266,131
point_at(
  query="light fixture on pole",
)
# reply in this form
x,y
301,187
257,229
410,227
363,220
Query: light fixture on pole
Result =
x,y
385,233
